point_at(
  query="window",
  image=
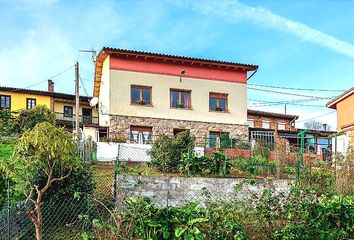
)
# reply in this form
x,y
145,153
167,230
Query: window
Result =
x,y
214,138
31,102
68,111
178,130
281,126
250,123
141,95
265,124
140,135
5,102
87,115
181,98
218,102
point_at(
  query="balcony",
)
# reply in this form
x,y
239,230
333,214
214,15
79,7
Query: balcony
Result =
x,y
89,120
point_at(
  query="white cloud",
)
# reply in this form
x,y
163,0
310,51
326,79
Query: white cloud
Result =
x,y
236,11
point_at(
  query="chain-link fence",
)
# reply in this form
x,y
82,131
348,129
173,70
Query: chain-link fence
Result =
x,y
234,164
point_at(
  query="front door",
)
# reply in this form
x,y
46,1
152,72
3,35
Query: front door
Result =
x,y
87,115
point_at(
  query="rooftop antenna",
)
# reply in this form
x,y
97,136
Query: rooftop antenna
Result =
x,y
92,51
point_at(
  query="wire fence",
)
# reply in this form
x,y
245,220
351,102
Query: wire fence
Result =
x,y
104,212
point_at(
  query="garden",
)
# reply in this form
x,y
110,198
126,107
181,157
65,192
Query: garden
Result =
x,y
47,192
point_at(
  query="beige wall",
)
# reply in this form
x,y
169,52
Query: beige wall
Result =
x,y
120,82
90,131
59,107
345,112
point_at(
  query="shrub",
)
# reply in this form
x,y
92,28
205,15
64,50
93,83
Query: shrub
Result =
x,y
192,164
29,118
224,221
166,153
256,165
331,218
5,123
218,164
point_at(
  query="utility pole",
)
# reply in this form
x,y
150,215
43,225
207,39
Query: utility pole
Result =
x,y
77,103
285,108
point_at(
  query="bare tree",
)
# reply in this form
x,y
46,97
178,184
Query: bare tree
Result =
x,y
316,125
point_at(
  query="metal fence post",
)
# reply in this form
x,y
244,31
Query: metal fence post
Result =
x,y
8,205
116,174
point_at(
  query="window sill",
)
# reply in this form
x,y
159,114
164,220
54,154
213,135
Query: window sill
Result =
x,y
214,111
142,105
181,108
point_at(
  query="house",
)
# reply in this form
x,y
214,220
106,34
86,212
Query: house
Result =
x,y
267,126
143,95
62,104
344,104
269,120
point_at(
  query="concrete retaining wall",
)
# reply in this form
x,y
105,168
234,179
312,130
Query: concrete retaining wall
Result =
x,y
178,190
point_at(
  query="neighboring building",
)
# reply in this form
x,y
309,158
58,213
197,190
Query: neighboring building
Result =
x,y
267,125
268,120
142,95
344,104
15,99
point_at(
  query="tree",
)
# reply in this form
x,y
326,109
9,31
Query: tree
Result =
x,y
28,118
41,151
5,123
316,125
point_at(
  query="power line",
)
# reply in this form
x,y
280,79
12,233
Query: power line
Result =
x,y
83,86
56,75
298,89
287,93
294,104
287,101
316,117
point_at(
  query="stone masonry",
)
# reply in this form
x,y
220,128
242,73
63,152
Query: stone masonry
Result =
x,y
120,127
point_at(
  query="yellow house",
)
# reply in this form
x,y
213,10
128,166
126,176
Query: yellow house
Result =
x,y
344,104
62,104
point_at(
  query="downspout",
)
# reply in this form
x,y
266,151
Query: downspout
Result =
x,y
292,121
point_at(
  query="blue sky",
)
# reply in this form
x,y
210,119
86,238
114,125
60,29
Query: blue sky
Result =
x,y
303,44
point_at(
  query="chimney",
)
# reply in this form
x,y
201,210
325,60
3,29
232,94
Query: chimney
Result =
x,y
50,86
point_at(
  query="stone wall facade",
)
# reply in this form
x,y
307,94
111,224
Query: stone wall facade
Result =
x,y
120,127
178,190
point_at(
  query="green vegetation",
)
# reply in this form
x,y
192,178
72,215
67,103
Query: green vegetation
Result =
x,y
303,214
46,150
5,123
166,154
29,118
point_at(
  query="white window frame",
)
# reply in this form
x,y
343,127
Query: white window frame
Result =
x,y
250,121
281,124
265,122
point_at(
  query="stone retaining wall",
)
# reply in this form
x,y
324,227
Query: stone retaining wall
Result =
x,y
178,190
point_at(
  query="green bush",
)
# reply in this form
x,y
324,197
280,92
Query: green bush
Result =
x,y
192,164
29,118
6,148
225,221
256,165
218,164
329,219
166,153
5,123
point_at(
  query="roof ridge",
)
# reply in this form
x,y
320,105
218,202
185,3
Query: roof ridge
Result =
x,y
178,56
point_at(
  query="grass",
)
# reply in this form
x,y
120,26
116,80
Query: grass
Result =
x,y
6,149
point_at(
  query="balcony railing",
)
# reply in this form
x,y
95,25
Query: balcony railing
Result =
x,y
71,118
